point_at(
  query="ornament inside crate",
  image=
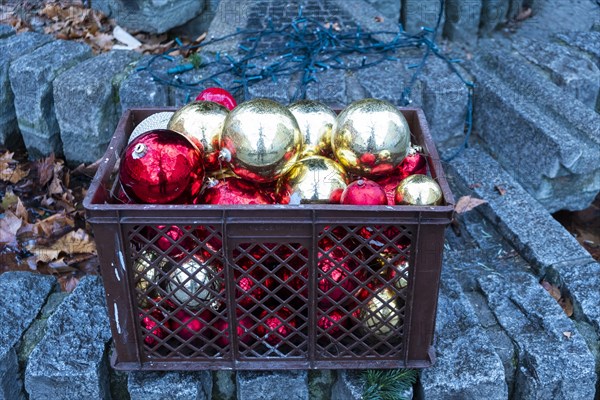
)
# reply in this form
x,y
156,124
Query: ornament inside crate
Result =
x,y
281,258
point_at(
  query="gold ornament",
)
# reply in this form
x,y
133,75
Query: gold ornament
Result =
x,y
146,275
311,180
396,272
202,123
316,121
261,140
381,315
155,121
194,284
371,137
419,190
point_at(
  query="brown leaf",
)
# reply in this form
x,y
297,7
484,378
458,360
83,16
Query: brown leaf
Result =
x,y
45,169
552,289
568,334
379,18
103,40
21,211
68,283
74,242
9,226
500,189
9,200
524,14
565,302
467,203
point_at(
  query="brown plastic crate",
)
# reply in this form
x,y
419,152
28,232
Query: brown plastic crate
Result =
x,y
289,242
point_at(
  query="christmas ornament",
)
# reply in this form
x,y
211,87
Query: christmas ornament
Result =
x,y
195,284
419,190
202,123
249,291
169,240
161,166
365,193
335,279
233,191
191,325
218,95
297,282
414,163
371,137
332,323
397,272
314,179
315,120
152,328
275,327
381,316
243,329
260,140
146,276
159,120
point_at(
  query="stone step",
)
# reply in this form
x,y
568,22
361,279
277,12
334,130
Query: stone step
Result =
x,y
70,361
173,385
23,296
520,116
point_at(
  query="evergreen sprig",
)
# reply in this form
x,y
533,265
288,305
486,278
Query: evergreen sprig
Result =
x,y
388,384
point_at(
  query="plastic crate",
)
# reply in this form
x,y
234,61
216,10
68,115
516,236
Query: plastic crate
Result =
x,y
379,314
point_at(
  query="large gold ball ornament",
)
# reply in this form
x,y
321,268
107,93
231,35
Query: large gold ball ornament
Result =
x,y
381,315
146,275
419,190
195,284
155,121
314,179
371,137
316,121
261,140
202,123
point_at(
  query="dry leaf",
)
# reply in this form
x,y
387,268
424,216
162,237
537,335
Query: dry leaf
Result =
x,y
565,302
524,14
124,37
9,199
379,19
9,226
45,169
21,211
74,242
568,334
102,40
13,175
68,283
467,203
500,189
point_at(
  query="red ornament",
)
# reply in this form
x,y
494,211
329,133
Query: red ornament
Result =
x,y
277,327
165,240
332,323
336,277
151,325
365,193
162,166
218,95
243,329
191,325
249,290
336,196
234,191
414,163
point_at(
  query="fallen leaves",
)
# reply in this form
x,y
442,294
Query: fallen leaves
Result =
x,y
42,226
467,203
11,170
500,189
562,300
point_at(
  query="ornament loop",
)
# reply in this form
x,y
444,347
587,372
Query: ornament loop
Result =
x,y
225,155
139,151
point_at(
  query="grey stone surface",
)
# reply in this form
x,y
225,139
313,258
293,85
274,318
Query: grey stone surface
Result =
x,y
553,358
6,31
152,15
467,365
415,14
320,383
71,358
224,385
12,48
444,100
259,385
365,15
584,41
140,90
88,109
172,385
330,88
24,295
520,116
539,238
573,72
31,78
388,9
229,15
462,20
349,385
388,79
493,14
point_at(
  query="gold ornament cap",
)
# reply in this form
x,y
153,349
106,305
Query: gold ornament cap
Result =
x,y
419,190
371,137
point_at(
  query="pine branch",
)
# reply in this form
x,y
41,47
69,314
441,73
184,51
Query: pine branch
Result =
x,y
388,384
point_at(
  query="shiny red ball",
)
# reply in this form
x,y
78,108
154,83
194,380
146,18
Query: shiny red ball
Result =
x,y
218,95
162,166
234,191
332,323
364,192
277,327
414,163
249,290
336,279
152,328
191,325
243,329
